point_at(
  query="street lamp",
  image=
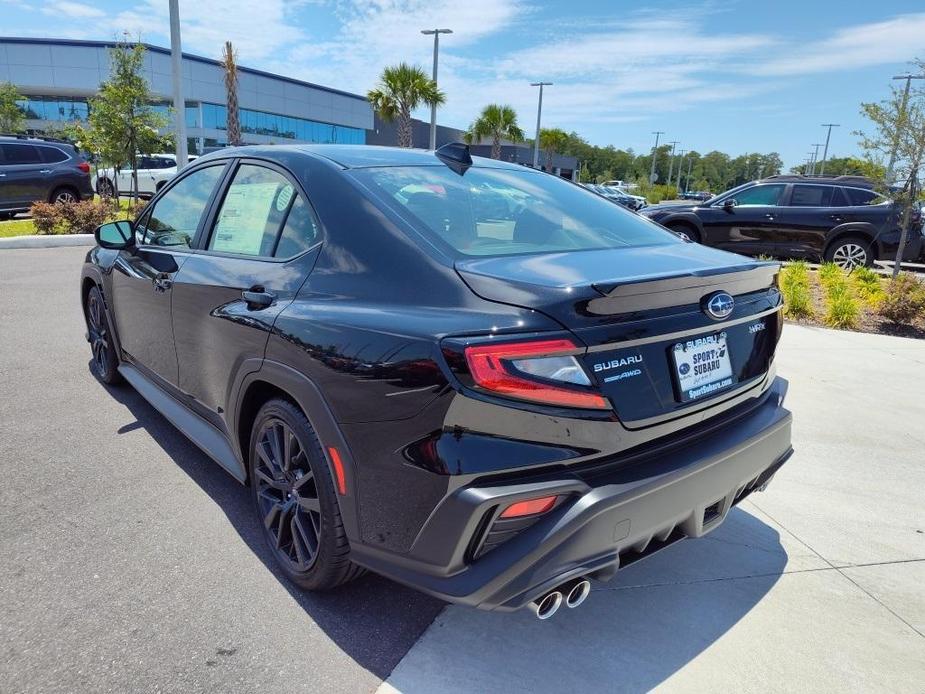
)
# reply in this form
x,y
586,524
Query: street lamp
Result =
x,y
673,143
825,152
179,105
654,152
539,112
433,108
681,153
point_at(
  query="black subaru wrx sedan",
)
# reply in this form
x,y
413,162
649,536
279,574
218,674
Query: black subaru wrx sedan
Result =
x,y
474,378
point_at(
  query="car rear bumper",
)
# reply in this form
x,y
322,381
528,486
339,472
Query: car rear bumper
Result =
x,y
611,517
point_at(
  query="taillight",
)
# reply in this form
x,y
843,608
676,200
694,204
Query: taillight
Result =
x,y
544,371
84,166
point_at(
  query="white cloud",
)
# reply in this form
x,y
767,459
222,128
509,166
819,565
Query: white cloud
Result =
x,y
75,10
895,40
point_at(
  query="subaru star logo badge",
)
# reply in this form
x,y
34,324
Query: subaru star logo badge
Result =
x,y
719,305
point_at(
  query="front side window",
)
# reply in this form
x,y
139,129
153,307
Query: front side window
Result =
x,y
488,211
811,196
176,216
759,195
263,215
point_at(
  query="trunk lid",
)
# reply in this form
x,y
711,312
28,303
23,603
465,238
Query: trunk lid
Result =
x,y
642,314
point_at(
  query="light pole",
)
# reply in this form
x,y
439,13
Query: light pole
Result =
x,y
433,108
825,152
179,105
690,165
539,112
816,147
654,152
673,143
681,152
902,115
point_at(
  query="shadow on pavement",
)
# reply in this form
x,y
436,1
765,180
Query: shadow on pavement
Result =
x,y
372,619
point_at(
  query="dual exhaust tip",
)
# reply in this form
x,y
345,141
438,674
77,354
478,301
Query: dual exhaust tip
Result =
x,y
572,594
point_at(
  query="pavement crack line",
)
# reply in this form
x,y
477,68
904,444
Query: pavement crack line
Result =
x,y
842,573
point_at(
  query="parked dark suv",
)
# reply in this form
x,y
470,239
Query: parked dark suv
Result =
x,y
490,402
840,219
46,170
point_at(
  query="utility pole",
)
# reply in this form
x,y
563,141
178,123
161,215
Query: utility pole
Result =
x,y
687,181
825,152
433,108
815,156
539,113
681,153
179,105
902,115
654,153
673,144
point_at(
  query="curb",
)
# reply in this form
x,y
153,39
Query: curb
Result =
x,y
51,241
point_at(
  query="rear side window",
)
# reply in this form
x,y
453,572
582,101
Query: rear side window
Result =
x,y
21,154
491,212
262,215
176,216
811,196
52,155
858,197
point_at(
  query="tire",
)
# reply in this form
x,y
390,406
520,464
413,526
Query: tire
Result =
x,y
4,216
105,189
64,194
295,500
686,229
850,252
105,361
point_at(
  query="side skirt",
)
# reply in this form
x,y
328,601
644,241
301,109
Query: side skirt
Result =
x,y
212,442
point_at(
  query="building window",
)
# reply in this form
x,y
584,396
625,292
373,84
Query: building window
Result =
x,y
272,125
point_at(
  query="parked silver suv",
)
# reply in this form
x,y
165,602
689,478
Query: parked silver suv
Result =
x,y
40,169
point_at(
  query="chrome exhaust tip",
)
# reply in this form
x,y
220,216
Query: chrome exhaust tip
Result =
x,y
578,593
546,606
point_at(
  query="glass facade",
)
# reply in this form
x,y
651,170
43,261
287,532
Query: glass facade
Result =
x,y
214,116
54,108
262,123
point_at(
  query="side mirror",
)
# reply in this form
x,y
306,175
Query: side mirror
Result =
x,y
115,235
729,203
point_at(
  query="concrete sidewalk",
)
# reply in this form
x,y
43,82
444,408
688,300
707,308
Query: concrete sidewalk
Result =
x,y
47,241
816,585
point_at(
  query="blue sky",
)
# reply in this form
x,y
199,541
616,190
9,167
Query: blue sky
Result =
x,y
733,75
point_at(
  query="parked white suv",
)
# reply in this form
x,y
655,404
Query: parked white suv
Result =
x,y
154,171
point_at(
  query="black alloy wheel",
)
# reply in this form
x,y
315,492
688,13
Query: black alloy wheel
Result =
x,y
287,495
295,499
105,362
64,196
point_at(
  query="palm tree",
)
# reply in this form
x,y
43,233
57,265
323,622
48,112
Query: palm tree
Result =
x,y
230,64
402,89
498,123
552,140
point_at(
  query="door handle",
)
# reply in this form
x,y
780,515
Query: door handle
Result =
x,y
45,171
769,215
2,175
257,298
162,282
835,217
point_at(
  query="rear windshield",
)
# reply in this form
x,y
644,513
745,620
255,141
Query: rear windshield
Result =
x,y
487,212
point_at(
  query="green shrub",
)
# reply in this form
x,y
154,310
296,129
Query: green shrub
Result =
x,y
83,217
830,272
904,300
842,308
794,285
868,285
46,217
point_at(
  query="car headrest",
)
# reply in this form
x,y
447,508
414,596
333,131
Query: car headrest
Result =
x,y
538,226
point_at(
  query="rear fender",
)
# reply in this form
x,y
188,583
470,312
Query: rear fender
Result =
x,y
860,229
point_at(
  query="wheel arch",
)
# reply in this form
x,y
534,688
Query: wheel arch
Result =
x,y
861,231
274,379
690,221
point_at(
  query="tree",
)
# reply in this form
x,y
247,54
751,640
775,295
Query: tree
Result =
x,y
230,65
12,118
498,123
402,89
122,123
898,128
552,140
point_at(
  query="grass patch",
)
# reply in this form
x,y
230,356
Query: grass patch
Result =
x,y
842,309
794,285
868,286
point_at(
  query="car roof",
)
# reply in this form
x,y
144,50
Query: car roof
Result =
x,y
355,156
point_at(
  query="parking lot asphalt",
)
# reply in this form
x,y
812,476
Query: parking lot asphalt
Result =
x,y
131,562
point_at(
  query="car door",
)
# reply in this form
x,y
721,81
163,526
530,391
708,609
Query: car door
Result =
x,y
811,211
748,225
142,277
259,247
24,175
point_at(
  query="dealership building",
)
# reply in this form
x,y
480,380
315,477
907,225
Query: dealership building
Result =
x,y
57,76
